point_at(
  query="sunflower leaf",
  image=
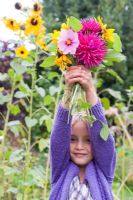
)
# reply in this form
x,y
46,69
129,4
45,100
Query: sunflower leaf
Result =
x,y
104,133
75,24
48,62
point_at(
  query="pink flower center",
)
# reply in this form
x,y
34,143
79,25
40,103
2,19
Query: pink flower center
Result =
x,y
68,42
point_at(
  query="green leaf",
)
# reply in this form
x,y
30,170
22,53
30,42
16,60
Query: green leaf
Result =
x,y
4,98
48,62
20,94
43,143
48,100
115,74
12,190
104,133
17,155
18,67
30,122
49,124
52,75
106,103
40,91
14,123
114,93
3,77
75,24
52,48
53,90
113,56
117,45
15,110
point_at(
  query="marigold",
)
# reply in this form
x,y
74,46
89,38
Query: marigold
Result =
x,y
55,35
21,52
62,62
12,24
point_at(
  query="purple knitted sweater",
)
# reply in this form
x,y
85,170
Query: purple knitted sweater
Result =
x,y
99,172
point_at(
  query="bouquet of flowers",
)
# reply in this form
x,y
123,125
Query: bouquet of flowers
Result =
x,y
86,42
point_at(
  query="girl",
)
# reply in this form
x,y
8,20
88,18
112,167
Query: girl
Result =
x,y
82,163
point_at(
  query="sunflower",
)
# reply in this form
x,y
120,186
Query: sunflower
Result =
x,y
37,8
12,24
107,33
41,43
62,62
33,25
21,52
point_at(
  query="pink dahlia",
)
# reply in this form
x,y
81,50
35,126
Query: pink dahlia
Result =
x,y
68,41
90,26
91,50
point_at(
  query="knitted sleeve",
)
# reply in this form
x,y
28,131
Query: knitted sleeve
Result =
x,y
59,143
104,151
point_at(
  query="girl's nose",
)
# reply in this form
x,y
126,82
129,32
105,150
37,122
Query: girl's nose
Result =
x,y
79,145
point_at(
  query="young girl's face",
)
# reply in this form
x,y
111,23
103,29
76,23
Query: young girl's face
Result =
x,y
80,146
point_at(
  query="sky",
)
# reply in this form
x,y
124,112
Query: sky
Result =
x,y
7,10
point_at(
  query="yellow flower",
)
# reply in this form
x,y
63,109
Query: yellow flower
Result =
x,y
62,62
41,43
37,8
55,36
33,25
22,52
102,25
65,25
107,33
12,24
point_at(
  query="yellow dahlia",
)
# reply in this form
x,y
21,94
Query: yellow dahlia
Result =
x,y
55,36
62,62
12,24
21,52
33,25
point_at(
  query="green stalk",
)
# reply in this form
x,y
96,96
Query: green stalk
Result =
x,y
48,159
6,121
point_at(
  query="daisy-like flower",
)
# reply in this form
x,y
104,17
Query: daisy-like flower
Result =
x,y
90,26
55,36
63,62
107,33
37,8
33,25
68,41
12,24
91,50
21,52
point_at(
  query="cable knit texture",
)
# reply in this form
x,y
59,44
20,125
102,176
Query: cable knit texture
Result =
x,y
99,172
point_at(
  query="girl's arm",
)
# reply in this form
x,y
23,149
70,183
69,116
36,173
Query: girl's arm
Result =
x,y
104,151
59,143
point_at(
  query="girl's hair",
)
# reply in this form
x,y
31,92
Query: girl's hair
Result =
x,y
79,116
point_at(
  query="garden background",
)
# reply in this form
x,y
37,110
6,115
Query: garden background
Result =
x,y
31,89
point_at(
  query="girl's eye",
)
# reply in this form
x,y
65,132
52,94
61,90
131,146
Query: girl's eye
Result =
x,y
73,139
